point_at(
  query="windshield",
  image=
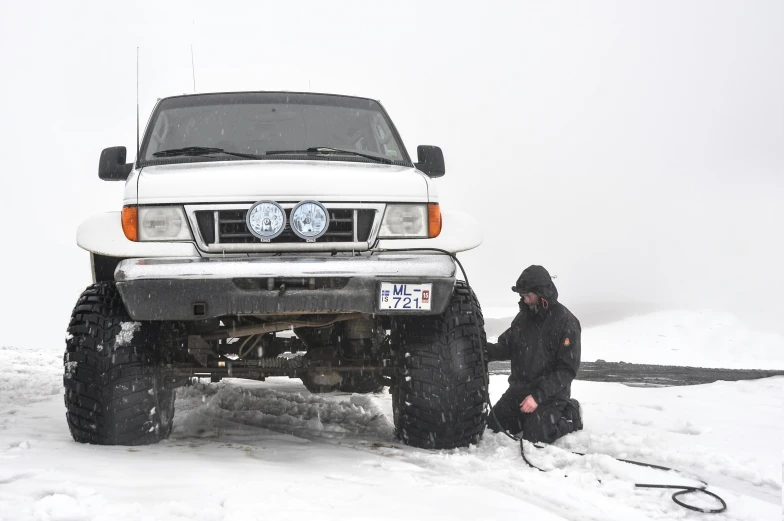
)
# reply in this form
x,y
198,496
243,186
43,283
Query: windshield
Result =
x,y
256,124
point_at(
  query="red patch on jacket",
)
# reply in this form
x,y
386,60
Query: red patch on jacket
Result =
x,y
566,342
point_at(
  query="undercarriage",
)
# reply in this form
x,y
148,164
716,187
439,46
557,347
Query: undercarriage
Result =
x,y
322,350
121,374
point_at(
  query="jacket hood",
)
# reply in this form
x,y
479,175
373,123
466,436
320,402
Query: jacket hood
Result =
x,y
537,280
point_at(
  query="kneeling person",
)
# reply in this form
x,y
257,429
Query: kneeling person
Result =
x,y
543,344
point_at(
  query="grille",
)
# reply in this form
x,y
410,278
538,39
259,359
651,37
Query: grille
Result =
x,y
232,228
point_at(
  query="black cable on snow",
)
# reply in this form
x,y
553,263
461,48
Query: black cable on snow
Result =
x,y
682,489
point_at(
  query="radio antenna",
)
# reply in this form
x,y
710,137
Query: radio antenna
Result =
x,y
137,104
193,70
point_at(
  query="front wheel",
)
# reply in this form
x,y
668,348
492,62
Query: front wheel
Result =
x,y
114,390
438,399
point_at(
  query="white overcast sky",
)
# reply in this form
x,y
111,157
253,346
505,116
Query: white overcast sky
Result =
x,y
635,149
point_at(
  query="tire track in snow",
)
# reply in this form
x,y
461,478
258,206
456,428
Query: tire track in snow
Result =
x,y
596,487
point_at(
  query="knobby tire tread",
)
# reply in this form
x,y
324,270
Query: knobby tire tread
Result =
x,y
114,394
439,398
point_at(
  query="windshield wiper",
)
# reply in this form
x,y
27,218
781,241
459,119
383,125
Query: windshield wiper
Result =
x,y
201,151
328,150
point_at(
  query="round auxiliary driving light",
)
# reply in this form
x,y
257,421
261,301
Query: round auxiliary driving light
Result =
x,y
309,220
266,220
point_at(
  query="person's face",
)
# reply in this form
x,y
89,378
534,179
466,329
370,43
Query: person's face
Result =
x,y
530,299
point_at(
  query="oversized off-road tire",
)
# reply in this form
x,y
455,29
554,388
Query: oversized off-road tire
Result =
x,y
438,399
114,391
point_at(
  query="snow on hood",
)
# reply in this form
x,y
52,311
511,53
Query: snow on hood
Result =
x,y
279,180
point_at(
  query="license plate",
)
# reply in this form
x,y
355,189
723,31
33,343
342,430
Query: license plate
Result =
x,y
405,296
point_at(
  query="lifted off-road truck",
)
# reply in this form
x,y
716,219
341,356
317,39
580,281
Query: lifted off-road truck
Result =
x,y
275,234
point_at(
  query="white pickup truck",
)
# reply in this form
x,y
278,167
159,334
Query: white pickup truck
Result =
x,y
275,234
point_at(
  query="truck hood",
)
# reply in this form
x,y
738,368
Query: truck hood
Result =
x,y
279,180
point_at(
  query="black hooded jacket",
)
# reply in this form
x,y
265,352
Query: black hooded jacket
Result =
x,y
543,344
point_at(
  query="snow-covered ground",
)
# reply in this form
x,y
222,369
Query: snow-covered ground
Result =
x,y
247,450
682,338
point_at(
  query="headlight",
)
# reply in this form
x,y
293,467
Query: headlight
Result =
x,y
266,220
163,223
404,220
309,220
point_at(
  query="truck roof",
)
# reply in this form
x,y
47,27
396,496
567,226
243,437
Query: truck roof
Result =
x,y
272,92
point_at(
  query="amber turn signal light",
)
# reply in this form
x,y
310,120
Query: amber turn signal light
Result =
x,y
130,222
434,220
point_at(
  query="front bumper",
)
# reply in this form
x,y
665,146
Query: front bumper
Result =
x,y
201,288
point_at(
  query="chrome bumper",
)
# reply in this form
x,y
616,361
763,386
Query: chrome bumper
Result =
x,y
382,265
200,288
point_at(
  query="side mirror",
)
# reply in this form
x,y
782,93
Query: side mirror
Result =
x,y
112,167
431,160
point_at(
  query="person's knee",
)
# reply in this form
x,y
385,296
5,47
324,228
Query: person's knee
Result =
x,y
504,420
548,424
505,415
541,429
